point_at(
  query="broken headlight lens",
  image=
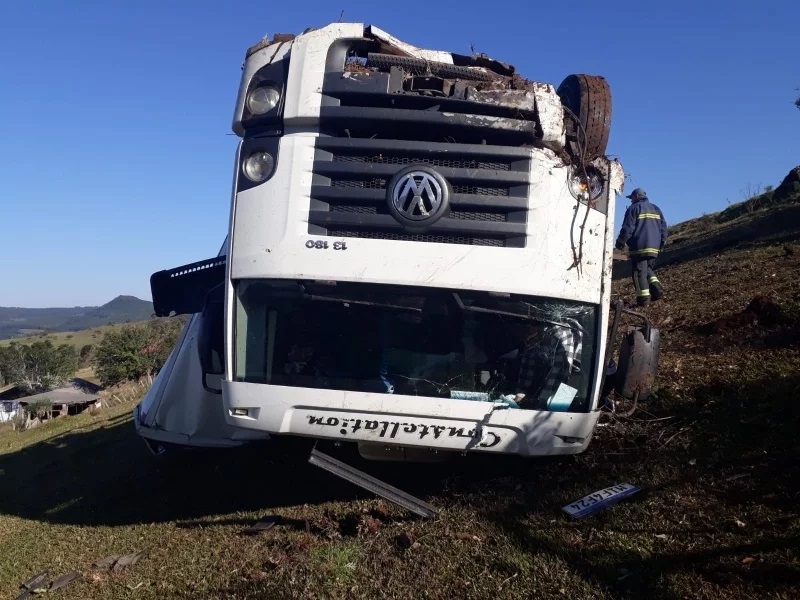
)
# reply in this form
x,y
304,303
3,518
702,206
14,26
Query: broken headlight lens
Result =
x,y
585,185
263,99
258,166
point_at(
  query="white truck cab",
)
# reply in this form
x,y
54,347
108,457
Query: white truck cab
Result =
x,y
418,258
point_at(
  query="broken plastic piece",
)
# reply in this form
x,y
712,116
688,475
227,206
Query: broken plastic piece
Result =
x,y
107,562
37,581
127,561
65,580
263,524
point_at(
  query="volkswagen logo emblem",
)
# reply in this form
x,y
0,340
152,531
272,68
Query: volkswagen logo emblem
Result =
x,y
418,196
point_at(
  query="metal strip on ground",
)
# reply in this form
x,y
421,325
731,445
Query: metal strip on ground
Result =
x,y
369,483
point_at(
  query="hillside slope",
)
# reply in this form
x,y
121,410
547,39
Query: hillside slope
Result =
x,y
715,453
17,322
769,218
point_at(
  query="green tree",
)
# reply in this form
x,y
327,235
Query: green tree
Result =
x,y
86,355
40,366
130,352
5,365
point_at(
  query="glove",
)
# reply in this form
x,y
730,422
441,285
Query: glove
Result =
x,y
620,246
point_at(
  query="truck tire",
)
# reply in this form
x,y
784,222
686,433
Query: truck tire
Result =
x,y
588,99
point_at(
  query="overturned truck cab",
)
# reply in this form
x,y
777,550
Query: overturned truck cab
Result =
x,y
418,258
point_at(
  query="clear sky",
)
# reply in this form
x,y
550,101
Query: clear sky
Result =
x,y
116,152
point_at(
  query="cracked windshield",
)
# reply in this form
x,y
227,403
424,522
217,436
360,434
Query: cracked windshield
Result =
x,y
525,352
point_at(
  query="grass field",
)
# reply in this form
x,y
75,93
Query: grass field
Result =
x,y
78,339
716,454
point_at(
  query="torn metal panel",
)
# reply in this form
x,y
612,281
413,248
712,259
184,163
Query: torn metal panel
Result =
x,y
520,99
488,122
481,60
408,49
617,181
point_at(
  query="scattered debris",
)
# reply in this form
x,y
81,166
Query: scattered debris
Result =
x,y
371,484
127,561
36,584
37,581
263,524
65,580
599,500
41,584
107,562
118,562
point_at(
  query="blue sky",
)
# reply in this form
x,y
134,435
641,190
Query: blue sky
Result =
x,y
115,143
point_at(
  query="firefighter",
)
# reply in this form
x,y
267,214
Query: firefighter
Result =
x,y
645,231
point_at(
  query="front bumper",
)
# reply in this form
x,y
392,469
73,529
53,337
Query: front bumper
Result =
x,y
406,421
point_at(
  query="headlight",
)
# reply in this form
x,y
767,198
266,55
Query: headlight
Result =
x,y
263,99
583,188
258,166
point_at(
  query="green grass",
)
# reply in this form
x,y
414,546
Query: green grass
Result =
x,y
78,339
716,453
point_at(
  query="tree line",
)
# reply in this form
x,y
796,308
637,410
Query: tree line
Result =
x,y
127,353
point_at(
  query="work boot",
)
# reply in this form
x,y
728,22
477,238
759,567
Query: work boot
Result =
x,y
643,301
656,291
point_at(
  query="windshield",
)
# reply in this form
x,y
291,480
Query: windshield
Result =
x,y
526,352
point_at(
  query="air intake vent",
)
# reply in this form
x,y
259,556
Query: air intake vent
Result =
x,y
488,206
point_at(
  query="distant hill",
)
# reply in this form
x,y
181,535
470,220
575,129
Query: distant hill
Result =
x,y
17,322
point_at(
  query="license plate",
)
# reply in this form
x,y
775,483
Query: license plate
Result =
x,y
599,500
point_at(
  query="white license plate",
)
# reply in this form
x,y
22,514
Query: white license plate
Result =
x,y
599,500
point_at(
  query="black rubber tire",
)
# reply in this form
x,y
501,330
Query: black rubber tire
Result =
x,y
588,97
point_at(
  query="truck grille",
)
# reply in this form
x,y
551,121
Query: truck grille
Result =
x,y
489,183
371,128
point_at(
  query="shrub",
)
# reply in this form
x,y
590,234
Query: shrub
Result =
x,y
40,408
132,351
85,356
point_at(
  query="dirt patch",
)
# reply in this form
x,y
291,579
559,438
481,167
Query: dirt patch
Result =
x,y
761,310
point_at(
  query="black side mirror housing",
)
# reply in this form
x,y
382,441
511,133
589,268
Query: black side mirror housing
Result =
x,y
638,363
211,337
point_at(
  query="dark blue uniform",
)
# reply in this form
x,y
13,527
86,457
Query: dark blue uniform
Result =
x,y
644,230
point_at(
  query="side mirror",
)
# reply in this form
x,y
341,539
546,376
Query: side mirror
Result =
x,y
211,337
638,363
